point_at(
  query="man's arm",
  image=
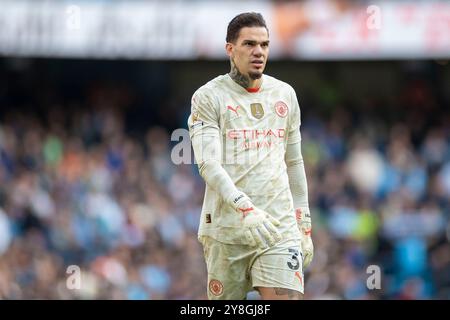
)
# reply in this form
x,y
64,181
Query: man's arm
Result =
x,y
298,183
205,137
297,176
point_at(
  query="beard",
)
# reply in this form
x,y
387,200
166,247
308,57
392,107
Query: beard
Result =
x,y
255,75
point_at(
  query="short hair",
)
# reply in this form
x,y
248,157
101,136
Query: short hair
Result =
x,y
247,19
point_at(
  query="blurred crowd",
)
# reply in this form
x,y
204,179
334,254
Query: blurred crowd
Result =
x,y
379,184
78,189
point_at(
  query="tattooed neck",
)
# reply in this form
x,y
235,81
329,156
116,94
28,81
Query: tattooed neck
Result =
x,y
238,77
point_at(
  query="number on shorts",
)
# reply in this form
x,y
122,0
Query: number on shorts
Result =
x,y
294,264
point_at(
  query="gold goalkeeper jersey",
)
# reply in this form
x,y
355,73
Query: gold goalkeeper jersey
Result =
x,y
252,129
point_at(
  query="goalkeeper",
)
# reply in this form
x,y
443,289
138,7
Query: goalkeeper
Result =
x,y
244,126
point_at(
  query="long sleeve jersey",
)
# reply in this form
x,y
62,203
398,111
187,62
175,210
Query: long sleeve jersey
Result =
x,y
248,142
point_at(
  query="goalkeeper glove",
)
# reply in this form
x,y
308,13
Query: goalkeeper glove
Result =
x,y
259,226
304,224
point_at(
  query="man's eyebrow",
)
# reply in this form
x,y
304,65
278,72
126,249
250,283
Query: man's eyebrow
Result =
x,y
255,42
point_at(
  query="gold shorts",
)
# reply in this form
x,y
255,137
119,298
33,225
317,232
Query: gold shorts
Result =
x,y
234,270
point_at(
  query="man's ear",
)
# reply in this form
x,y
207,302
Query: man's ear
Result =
x,y
229,49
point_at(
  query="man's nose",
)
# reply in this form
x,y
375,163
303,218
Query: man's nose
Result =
x,y
258,51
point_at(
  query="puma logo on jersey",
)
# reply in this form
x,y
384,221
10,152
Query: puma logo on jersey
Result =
x,y
234,109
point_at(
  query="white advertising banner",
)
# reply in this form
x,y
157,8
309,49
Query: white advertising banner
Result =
x,y
187,30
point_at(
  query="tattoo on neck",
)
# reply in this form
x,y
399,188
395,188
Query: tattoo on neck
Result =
x,y
238,77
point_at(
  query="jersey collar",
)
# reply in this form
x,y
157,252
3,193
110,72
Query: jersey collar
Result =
x,y
247,90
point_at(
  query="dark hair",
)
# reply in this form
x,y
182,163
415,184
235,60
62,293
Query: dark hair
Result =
x,y
248,19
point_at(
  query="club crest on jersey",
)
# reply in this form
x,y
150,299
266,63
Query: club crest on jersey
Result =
x,y
216,287
281,109
257,110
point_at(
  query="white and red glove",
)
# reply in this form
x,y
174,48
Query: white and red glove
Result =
x,y
260,226
304,224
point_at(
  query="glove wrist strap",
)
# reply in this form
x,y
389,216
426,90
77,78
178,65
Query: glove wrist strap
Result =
x,y
303,217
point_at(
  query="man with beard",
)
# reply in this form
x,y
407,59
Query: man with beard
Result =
x,y
244,126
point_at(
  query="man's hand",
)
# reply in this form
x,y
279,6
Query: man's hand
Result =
x,y
260,227
304,224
